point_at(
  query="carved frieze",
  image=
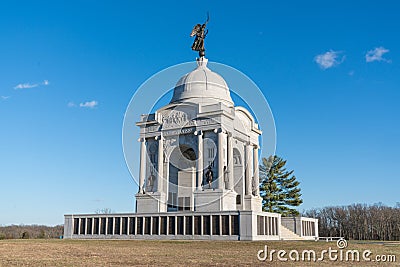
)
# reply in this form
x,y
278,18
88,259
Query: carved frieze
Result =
x,y
176,119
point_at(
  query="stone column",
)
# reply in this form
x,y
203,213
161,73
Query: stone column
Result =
x,y
99,232
128,222
142,170
220,180
230,162
160,168
248,168
166,184
200,166
255,170
106,230
79,226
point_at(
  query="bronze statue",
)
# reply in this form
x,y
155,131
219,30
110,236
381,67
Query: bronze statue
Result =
x,y
200,32
209,176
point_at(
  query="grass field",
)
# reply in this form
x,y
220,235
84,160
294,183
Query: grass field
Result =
x,y
181,253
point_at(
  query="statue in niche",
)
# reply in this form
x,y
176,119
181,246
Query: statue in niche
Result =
x,y
254,186
209,176
226,177
150,182
200,32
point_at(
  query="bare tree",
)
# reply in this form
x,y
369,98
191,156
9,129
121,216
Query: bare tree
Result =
x,y
359,221
30,231
104,211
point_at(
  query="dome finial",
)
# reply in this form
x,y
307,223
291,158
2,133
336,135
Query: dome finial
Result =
x,y
202,61
200,32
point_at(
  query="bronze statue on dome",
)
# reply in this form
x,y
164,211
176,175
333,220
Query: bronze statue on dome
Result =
x,y
200,32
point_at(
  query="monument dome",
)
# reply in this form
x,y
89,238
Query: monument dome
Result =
x,y
202,85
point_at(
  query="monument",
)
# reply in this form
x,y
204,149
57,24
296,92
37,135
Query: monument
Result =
x,y
198,175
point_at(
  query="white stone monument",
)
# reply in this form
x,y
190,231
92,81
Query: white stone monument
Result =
x,y
198,175
198,132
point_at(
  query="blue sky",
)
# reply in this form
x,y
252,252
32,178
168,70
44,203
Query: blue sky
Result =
x,y
69,69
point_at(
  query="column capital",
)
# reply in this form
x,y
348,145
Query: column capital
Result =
x,y
256,146
198,132
159,137
141,139
219,130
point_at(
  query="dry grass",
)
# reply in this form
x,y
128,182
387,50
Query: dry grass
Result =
x,y
183,253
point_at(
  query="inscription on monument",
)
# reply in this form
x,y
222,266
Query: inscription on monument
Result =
x,y
153,128
179,131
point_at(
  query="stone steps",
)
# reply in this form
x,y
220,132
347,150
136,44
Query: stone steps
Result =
x,y
286,234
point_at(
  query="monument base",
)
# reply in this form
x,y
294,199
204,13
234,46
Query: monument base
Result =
x,y
151,202
215,200
253,203
181,225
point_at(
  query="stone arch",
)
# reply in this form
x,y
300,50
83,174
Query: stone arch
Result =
x,y
188,152
182,159
237,159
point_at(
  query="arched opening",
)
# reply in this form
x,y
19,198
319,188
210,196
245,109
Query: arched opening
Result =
x,y
188,152
182,163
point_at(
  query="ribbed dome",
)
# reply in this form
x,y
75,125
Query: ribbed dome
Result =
x,y
202,84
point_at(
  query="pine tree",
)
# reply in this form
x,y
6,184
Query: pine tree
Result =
x,y
279,187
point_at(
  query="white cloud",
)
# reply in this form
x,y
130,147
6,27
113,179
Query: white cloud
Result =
x,y
71,104
30,85
25,86
376,54
5,97
89,104
329,59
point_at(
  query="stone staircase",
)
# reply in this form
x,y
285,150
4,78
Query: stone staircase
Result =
x,y
286,234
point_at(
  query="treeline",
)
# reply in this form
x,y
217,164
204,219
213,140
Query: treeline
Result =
x,y
30,231
359,221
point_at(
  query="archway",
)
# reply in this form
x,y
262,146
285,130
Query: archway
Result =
x,y
182,163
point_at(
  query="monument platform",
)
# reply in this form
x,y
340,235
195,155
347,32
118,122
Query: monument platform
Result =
x,y
221,225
